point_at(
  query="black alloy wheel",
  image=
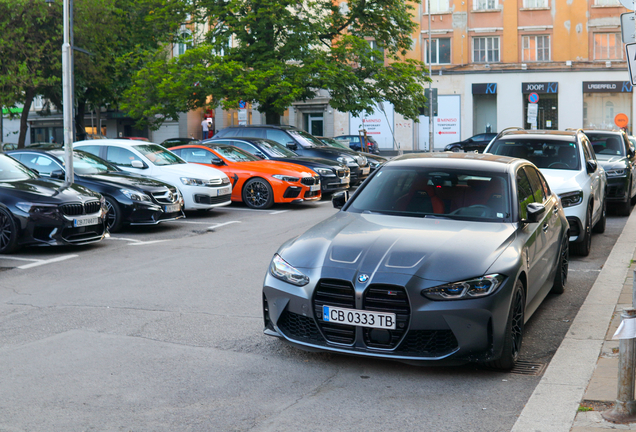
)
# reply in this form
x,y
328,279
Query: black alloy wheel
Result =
x,y
113,217
514,331
625,208
561,277
583,247
8,232
599,228
258,194
456,149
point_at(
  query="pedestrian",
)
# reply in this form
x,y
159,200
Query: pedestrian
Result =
x,y
209,128
204,129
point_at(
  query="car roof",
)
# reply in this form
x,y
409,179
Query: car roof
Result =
x,y
607,131
470,161
540,134
114,142
288,127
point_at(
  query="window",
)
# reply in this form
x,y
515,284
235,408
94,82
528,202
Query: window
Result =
x,y
483,4
279,136
535,4
609,112
440,51
438,6
486,49
606,3
120,156
524,193
183,44
608,46
44,165
535,182
536,48
374,46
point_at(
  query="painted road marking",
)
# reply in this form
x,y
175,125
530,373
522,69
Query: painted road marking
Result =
x,y
213,227
125,239
18,259
279,211
147,242
49,261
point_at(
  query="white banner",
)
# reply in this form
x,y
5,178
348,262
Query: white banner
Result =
x,y
376,125
446,126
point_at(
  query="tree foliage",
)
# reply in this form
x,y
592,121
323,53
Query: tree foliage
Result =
x,y
275,52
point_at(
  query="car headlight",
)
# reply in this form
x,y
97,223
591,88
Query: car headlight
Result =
x,y
280,269
615,172
347,160
362,160
472,288
193,181
225,181
28,207
571,199
289,179
325,172
135,195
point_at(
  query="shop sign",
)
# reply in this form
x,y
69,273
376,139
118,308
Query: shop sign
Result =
x,y
607,87
377,123
542,88
487,88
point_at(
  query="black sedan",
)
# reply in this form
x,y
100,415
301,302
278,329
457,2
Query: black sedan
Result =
x,y
130,199
38,211
475,143
374,160
334,176
436,258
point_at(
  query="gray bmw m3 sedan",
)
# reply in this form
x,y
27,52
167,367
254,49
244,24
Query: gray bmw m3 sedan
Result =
x,y
437,258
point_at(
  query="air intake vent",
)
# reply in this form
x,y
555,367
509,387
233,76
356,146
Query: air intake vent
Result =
x,y
392,299
332,292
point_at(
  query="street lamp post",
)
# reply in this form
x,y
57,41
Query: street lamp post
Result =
x,y
67,97
430,84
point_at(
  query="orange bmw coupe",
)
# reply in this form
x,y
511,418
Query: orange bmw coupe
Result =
x,y
258,183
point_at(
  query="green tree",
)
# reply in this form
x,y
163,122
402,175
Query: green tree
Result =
x,y
284,51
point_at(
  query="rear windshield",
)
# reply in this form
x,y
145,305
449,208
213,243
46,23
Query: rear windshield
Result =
x,y
607,144
544,153
435,192
305,139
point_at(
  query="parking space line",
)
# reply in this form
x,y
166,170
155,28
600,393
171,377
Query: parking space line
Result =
x,y
190,222
18,259
323,202
279,211
49,261
242,209
222,224
125,239
147,242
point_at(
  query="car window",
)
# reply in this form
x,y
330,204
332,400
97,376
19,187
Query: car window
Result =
x,y
524,193
544,184
279,136
242,145
234,154
43,164
535,183
274,149
588,151
607,144
120,156
435,192
12,170
197,155
305,139
158,155
94,149
543,153
88,164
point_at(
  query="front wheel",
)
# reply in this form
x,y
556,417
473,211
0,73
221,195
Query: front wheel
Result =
x,y
258,194
113,217
624,209
599,228
561,276
514,331
8,232
456,149
582,248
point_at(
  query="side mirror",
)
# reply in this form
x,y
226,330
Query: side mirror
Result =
x,y
217,161
340,199
631,152
535,210
259,155
292,145
138,164
591,166
57,174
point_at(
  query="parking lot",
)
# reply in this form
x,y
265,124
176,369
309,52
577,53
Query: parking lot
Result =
x,y
160,328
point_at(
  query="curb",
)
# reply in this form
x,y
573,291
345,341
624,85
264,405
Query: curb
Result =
x,y
553,405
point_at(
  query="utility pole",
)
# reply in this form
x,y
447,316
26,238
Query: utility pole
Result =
x,y
430,84
67,98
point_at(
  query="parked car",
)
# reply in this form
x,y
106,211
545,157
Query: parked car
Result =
x,y
374,280
8,146
474,143
374,160
201,187
303,144
567,161
130,199
173,142
39,211
257,183
334,176
369,145
616,154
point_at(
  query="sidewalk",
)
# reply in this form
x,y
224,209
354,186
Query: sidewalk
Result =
x,y
583,372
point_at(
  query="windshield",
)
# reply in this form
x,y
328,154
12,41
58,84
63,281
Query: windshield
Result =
x,y
435,192
233,154
335,143
12,170
544,153
607,144
158,155
87,164
305,139
275,149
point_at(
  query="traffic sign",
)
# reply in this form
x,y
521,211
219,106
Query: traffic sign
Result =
x,y
621,120
631,61
628,27
533,97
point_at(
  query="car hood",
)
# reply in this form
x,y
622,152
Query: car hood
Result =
x,y
312,161
191,170
47,191
561,181
434,249
274,167
121,179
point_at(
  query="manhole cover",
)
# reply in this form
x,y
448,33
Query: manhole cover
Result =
x,y
528,368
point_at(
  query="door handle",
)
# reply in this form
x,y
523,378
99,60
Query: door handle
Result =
x,y
545,227
555,210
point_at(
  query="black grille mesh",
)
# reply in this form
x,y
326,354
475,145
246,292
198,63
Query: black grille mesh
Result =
x,y
300,328
392,299
310,181
89,207
332,292
428,343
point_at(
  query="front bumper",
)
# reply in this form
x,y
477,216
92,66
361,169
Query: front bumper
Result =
x,y
617,188
359,174
427,331
56,229
151,214
203,198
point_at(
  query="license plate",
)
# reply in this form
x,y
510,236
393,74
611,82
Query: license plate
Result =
x,y
344,180
356,317
223,191
314,188
172,208
85,222
366,170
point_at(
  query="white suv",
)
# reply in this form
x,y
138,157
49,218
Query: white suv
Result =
x,y
567,161
202,187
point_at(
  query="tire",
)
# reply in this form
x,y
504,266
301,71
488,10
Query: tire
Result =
x,y
561,277
113,217
599,228
514,331
624,209
582,248
8,232
456,149
258,194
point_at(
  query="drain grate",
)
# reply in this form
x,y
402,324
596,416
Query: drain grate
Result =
x,y
528,368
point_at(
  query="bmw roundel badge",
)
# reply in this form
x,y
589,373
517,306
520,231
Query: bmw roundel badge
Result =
x,y
363,278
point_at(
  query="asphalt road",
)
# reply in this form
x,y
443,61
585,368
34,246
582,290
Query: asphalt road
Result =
x,y
160,329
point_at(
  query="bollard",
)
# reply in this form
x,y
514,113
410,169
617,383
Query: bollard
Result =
x,y
624,410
